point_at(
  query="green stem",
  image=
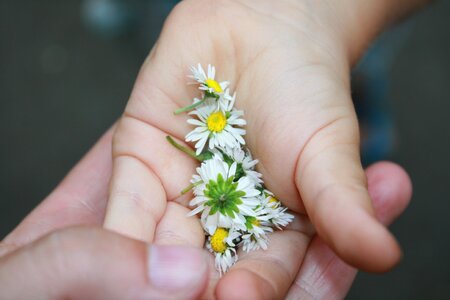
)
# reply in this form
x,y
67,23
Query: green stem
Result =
x,y
182,148
190,187
189,107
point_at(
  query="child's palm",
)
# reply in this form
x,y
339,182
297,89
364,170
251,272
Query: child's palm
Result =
x,y
293,88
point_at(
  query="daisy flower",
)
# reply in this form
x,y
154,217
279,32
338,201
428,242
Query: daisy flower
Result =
x,y
269,199
222,201
253,242
229,195
280,218
224,103
245,163
277,213
221,244
207,81
211,87
257,227
217,127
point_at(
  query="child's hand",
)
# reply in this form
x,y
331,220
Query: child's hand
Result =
x,y
289,64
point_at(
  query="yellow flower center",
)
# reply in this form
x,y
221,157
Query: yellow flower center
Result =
x,y
256,223
216,121
212,84
274,200
218,240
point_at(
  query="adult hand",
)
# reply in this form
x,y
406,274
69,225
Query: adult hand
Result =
x,y
92,263
89,263
39,260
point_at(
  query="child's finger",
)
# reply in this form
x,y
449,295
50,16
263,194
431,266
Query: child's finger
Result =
x,y
147,172
334,190
268,274
176,228
323,274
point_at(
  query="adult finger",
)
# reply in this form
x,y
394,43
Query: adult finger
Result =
x,y
333,187
91,263
324,275
79,199
175,228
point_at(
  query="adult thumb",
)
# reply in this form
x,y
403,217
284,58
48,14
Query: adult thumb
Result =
x,y
92,263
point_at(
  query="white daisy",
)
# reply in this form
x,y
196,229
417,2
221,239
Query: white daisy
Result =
x,y
245,163
212,89
222,201
280,218
277,213
211,221
217,127
224,103
208,82
222,245
251,242
257,228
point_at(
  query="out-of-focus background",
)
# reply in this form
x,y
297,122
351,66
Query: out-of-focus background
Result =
x,y
67,68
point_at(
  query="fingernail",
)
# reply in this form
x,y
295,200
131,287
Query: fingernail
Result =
x,y
176,268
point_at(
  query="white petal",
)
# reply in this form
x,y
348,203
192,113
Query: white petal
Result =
x,y
196,210
195,122
232,170
200,144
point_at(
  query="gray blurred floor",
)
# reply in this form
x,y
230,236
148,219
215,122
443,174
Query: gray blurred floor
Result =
x,y
61,87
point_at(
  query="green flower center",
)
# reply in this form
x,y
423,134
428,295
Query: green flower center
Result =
x,y
223,196
251,221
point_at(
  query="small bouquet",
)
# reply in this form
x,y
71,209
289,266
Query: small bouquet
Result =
x,y
236,209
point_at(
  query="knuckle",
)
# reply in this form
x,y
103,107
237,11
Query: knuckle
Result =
x,y
70,246
170,237
133,198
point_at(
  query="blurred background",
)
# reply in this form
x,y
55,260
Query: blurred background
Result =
x,y
67,69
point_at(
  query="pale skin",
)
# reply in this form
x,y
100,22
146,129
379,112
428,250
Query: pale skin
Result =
x,y
289,63
56,260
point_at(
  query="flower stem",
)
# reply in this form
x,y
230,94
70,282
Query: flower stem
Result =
x,y
182,148
190,187
189,107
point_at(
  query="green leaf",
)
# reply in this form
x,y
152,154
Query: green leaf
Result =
x,y
227,159
205,156
239,172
